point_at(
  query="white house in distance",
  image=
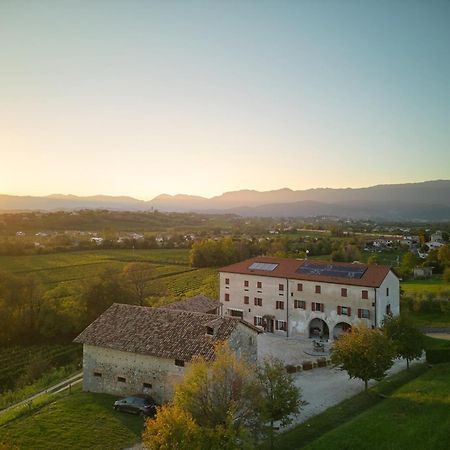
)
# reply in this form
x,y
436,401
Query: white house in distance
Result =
x,y
308,298
135,349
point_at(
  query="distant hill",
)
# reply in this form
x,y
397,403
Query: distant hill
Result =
x,y
68,202
428,200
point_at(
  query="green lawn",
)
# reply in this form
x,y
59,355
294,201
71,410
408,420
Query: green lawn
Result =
x,y
431,285
74,421
431,342
429,320
415,415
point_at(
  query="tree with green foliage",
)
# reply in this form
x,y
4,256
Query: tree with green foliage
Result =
x,y
373,259
432,260
21,308
409,261
346,253
444,256
446,275
214,253
101,292
281,398
364,353
408,340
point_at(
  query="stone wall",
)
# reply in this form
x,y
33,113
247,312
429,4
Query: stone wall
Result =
x,y
102,368
124,373
243,341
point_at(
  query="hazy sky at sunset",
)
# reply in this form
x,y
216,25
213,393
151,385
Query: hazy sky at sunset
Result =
x,y
201,97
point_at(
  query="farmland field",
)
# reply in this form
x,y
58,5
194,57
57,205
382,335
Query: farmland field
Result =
x,y
431,285
172,266
15,361
74,266
188,282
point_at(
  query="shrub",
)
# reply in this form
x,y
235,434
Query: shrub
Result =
x,y
438,355
321,362
291,369
446,275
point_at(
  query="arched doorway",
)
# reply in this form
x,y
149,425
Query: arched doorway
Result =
x,y
340,329
318,329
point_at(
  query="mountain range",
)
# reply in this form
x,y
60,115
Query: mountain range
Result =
x,y
428,200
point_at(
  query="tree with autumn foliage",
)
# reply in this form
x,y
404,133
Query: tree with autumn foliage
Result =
x,y
223,404
364,353
223,395
172,428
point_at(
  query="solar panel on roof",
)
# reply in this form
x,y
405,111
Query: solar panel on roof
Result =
x,y
331,270
263,266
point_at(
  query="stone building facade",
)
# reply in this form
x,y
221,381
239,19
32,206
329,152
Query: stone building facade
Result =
x,y
308,298
134,349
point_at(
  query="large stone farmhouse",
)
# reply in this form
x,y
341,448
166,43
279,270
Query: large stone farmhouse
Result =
x,y
308,298
134,349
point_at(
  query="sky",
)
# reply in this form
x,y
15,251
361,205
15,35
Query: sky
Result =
x,y
202,97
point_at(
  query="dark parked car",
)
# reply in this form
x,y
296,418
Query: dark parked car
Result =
x,y
143,405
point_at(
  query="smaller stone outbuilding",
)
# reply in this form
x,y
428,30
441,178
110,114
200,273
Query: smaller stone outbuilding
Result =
x,y
422,272
136,349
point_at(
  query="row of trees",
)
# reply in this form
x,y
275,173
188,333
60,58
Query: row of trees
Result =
x,y
32,314
219,252
225,404
368,353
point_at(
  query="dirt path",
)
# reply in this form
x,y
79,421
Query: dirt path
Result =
x,y
445,336
55,389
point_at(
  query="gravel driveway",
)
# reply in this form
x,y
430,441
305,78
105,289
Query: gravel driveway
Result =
x,y
321,387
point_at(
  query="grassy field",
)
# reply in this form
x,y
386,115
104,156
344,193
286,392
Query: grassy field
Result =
x,y
73,420
415,415
429,319
432,342
431,285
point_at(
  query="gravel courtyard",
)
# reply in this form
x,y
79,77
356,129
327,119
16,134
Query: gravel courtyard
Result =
x,y
321,387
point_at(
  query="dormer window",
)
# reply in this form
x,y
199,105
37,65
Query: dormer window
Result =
x,y
210,331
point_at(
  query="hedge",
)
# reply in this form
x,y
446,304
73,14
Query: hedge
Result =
x,y
438,355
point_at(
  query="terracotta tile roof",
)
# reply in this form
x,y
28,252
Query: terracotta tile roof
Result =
x,y
167,333
199,303
287,268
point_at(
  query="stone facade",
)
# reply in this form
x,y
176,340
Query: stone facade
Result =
x,y
123,373
293,307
